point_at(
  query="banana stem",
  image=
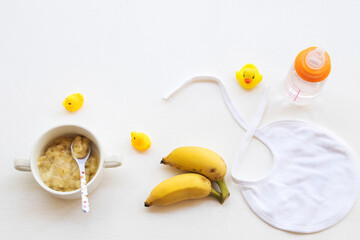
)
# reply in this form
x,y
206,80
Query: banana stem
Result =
x,y
217,195
224,190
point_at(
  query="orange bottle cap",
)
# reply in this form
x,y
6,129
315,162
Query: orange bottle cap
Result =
x,y
311,73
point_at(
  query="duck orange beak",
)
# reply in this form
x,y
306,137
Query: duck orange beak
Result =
x,y
247,81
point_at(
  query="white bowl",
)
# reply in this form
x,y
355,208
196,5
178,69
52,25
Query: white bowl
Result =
x,y
31,164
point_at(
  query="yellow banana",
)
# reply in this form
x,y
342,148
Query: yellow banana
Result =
x,y
202,161
181,187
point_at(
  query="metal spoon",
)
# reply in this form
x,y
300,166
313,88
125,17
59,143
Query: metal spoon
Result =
x,y
84,194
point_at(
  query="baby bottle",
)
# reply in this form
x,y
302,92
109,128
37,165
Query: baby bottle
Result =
x,y
307,76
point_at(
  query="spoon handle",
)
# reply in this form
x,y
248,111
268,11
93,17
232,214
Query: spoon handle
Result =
x,y
84,193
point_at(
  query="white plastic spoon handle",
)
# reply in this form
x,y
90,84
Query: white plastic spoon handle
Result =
x,y
84,192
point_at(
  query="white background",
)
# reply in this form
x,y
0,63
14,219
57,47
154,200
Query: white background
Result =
x,y
123,56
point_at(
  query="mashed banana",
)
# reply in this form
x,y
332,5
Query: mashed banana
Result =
x,y
80,147
59,170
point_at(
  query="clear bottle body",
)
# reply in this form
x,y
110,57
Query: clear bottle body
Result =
x,y
300,91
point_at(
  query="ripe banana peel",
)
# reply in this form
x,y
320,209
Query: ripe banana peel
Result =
x,y
202,161
181,187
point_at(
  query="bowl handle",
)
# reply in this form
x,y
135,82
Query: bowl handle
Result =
x,y
113,160
22,164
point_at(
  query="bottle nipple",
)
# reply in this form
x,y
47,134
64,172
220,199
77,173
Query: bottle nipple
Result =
x,y
316,58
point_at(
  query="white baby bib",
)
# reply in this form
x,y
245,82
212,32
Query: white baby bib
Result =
x,y
314,181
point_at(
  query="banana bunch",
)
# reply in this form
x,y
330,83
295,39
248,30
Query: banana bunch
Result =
x,y
207,166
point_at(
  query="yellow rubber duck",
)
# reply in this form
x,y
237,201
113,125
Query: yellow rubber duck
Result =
x,y
73,102
249,76
140,141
